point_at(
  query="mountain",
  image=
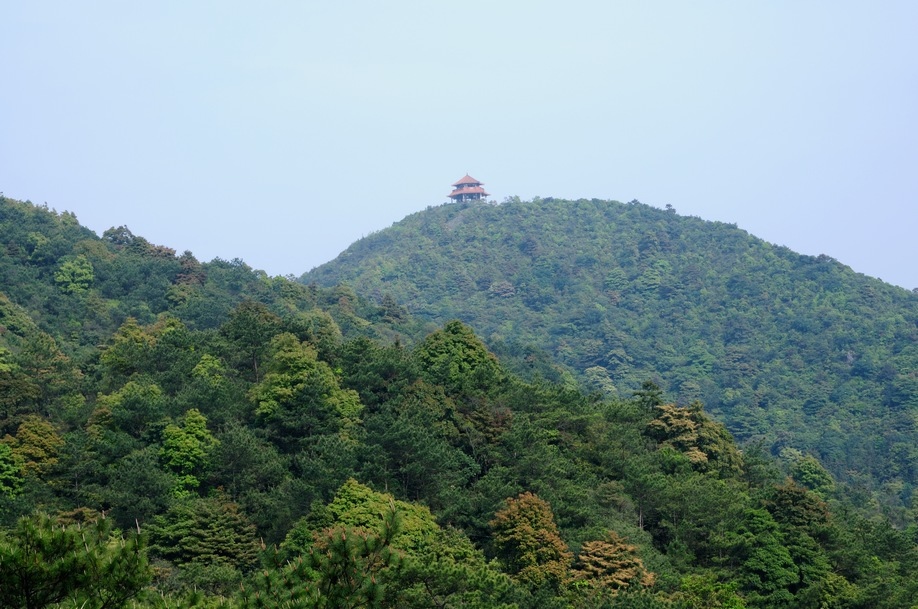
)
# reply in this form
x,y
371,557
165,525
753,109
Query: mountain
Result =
x,y
175,433
797,352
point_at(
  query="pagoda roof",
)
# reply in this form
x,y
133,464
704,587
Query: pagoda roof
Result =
x,y
469,191
467,180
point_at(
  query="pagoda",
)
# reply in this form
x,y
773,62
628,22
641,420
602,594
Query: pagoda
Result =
x,y
467,189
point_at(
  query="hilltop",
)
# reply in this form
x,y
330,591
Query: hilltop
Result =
x,y
797,352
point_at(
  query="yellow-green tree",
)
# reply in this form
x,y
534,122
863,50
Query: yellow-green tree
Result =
x,y
528,543
704,441
36,445
611,562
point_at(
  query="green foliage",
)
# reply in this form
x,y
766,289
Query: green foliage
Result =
x,y
300,397
705,592
215,406
36,445
794,351
455,359
345,567
74,276
133,409
706,443
187,450
10,472
43,563
208,540
766,571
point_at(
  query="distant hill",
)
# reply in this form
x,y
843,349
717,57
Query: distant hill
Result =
x,y
799,352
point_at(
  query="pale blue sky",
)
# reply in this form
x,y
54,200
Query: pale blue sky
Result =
x,y
280,132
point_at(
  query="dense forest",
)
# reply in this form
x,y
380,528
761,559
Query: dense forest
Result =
x,y
797,353
175,433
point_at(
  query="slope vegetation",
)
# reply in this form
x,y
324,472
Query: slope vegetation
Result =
x,y
185,434
797,351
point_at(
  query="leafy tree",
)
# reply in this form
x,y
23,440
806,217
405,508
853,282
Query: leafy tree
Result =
x,y
706,443
432,566
454,358
249,330
705,592
417,434
74,275
300,397
133,409
187,449
345,568
137,489
767,572
53,371
19,393
10,472
809,472
130,352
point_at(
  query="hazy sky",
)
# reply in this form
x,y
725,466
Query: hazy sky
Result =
x,y
280,132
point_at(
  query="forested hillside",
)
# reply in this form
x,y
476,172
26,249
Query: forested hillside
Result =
x,y
176,433
798,352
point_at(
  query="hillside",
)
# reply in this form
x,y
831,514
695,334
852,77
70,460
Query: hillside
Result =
x,y
62,279
798,352
183,434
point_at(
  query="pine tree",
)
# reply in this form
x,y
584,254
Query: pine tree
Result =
x,y
43,562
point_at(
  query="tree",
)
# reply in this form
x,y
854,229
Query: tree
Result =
x,y
36,445
457,360
45,364
249,329
345,568
130,352
368,549
611,563
300,397
137,488
75,275
649,396
528,544
707,444
766,572
205,529
43,563
10,472
187,449
19,393
132,409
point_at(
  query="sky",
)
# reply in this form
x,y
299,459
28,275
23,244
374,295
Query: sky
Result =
x,y
280,132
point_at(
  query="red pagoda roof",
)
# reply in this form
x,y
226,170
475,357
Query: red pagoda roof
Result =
x,y
467,180
469,190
